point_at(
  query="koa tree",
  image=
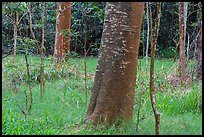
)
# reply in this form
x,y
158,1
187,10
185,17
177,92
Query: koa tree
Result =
x,y
113,91
62,34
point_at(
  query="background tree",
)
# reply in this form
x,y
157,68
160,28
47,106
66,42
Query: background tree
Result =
x,y
41,52
198,54
166,43
14,11
182,36
56,35
147,45
195,18
31,26
113,90
63,23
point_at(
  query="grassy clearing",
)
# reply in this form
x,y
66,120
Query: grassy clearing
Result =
x,y
63,106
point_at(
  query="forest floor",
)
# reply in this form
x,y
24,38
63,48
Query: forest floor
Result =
x,y
64,103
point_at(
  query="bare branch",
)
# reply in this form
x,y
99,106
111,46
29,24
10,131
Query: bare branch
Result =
x,y
10,18
22,17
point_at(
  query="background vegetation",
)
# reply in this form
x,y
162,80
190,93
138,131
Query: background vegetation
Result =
x,y
93,19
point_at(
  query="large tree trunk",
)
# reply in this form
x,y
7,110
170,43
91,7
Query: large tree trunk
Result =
x,y
62,37
182,31
113,91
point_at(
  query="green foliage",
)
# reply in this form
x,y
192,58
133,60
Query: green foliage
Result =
x,y
8,19
26,44
11,7
86,22
94,18
169,52
74,54
64,32
88,17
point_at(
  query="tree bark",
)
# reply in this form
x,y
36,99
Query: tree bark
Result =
x,y
182,31
62,36
56,35
113,91
65,23
198,41
42,52
199,55
147,46
152,87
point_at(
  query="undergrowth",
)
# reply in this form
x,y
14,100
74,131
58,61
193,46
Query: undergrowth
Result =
x,y
64,104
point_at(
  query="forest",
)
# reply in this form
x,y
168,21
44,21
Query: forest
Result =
x,y
101,68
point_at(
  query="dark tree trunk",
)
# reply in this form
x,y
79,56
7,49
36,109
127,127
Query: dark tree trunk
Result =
x,y
199,55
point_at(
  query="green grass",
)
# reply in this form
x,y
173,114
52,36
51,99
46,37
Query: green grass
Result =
x,y
64,104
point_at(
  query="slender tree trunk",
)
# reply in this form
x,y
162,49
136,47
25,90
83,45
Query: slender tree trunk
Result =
x,y
85,71
147,46
199,54
152,87
185,17
15,35
143,42
114,84
29,84
42,52
150,23
188,46
56,35
31,27
76,46
182,31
